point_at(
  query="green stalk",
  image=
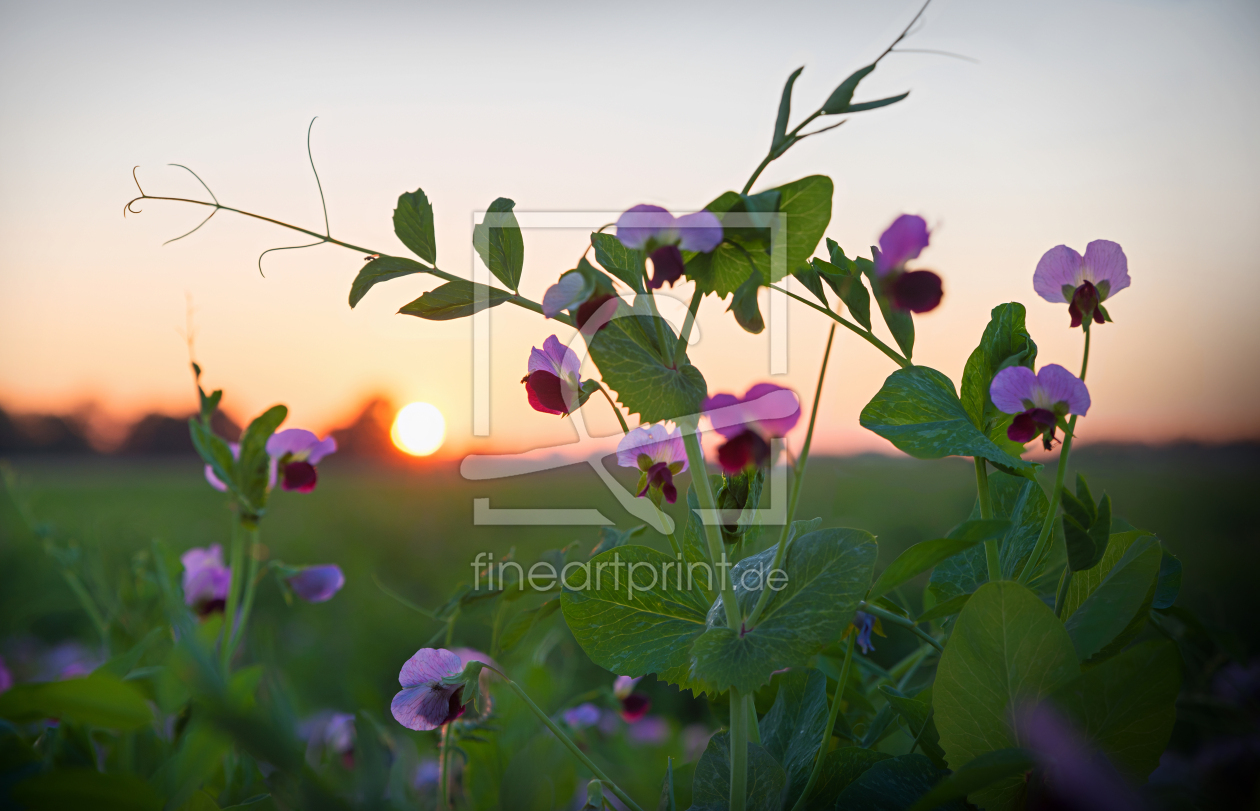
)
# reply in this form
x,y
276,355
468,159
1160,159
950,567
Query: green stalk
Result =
x,y
569,744
673,541
444,766
764,597
688,322
866,335
1052,510
739,750
251,585
986,512
625,429
754,732
831,725
234,588
897,619
89,604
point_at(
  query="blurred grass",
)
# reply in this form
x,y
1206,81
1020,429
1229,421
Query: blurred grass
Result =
x,y
412,527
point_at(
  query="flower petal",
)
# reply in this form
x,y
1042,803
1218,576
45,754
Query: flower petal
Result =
x,y
918,291
299,477
667,266
1058,385
545,393
642,223
321,449
565,360
700,232
1106,262
1058,266
429,665
317,584
659,443
724,414
564,294
776,410
214,480
902,241
291,440
1011,387
422,708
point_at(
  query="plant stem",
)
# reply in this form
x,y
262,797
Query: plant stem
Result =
x,y
673,541
764,597
739,750
897,619
625,429
89,604
688,322
754,732
986,512
1056,495
831,725
234,589
251,584
867,335
1060,599
444,766
569,744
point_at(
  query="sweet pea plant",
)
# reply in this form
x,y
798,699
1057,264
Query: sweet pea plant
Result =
x,y
1035,682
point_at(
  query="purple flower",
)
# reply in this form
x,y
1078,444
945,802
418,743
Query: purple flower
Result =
x,y
554,378
864,624
915,290
633,705
1083,282
6,678
206,580
659,453
663,237
427,774
650,731
1072,775
582,716
317,584
764,412
339,737
1039,400
565,294
426,701
296,452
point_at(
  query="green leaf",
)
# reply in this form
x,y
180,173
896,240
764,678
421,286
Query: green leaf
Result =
x,y
1085,583
745,307
86,788
214,451
1086,526
846,284
946,609
737,496
1126,706
892,785
987,769
711,787
875,105
1169,585
620,261
807,206
900,322
382,269
840,98
731,266
499,243
1007,648
918,412
1024,504
917,715
923,556
253,466
98,700
841,767
1123,596
785,112
611,538
630,362
523,622
123,663
791,729
827,574
1005,342
413,223
632,634
456,299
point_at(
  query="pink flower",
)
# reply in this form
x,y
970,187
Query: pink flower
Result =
x,y
1083,282
317,584
296,451
915,290
1038,400
765,411
426,702
206,580
659,453
633,705
663,237
6,678
554,380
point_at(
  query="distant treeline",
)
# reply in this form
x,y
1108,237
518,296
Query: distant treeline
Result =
x,y
165,435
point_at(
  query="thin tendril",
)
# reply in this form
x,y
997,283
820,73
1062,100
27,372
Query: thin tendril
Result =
x,y
285,248
195,230
816,132
217,204
936,52
904,33
320,186
128,207
199,180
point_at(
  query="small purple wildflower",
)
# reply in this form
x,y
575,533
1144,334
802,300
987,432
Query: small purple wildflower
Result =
x,y
748,423
1038,400
426,702
659,453
296,451
427,774
918,291
339,737
633,705
582,716
1083,282
206,580
650,731
864,623
1073,776
663,237
554,378
6,678
317,584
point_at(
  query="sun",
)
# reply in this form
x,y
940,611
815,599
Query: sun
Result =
x,y
419,429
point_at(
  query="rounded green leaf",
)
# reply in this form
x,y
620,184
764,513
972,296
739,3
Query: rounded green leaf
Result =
x,y
1125,595
711,787
456,299
499,243
382,269
629,358
98,700
413,224
923,556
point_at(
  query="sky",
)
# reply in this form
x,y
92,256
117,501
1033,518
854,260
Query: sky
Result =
x,y
1068,122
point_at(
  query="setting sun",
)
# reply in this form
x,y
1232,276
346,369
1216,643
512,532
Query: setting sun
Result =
x,y
419,429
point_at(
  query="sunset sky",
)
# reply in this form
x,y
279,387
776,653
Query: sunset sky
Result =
x,y
1129,121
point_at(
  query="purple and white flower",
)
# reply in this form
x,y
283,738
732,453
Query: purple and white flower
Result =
x,y
554,380
582,716
659,453
1083,282
426,700
764,412
1038,401
206,580
295,452
633,705
663,237
917,291
317,584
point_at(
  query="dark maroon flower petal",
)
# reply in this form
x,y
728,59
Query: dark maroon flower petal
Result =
x,y
743,450
670,492
589,308
545,392
299,476
1022,428
918,291
634,707
667,266
455,706
208,607
1084,305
